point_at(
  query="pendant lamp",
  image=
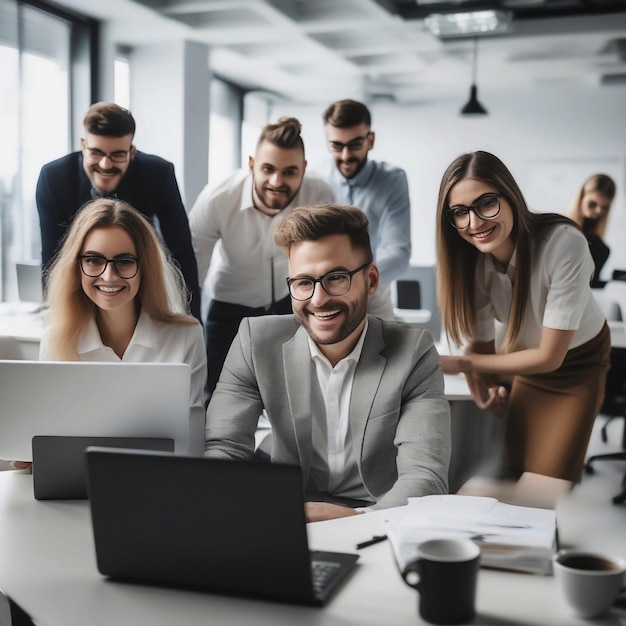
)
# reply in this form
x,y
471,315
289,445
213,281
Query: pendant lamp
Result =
x,y
473,107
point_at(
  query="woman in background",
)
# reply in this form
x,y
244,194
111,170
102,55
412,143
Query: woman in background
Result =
x,y
498,262
590,210
113,295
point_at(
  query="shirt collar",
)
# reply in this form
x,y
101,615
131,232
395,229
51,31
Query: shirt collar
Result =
x,y
247,202
144,335
490,265
360,180
355,355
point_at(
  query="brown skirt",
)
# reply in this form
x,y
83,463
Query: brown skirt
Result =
x,y
551,416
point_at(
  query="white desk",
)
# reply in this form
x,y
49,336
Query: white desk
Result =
x,y
413,316
48,566
24,326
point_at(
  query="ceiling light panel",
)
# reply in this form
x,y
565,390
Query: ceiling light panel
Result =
x,y
445,25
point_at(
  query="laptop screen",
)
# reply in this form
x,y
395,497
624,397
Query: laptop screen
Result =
x,y
92,399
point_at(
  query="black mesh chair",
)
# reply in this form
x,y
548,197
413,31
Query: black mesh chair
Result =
x,y
614,407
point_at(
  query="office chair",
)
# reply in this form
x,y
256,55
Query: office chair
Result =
x,y
408,294
614,406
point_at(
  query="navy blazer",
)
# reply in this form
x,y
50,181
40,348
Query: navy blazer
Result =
x,y
149,185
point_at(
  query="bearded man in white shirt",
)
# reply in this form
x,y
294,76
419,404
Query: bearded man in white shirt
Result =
x,y
236,220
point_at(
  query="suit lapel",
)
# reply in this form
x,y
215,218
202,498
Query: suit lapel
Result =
x,y
297,367
367,379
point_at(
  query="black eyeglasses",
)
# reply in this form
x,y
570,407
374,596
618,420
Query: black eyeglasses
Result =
x,y
119,156
352,145
335,283
486,208
94,265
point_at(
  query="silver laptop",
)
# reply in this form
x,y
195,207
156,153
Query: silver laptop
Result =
x,y
235,527
92,400
29,282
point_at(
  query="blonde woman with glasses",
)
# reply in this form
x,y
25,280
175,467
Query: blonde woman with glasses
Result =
x,y
113,295
497,262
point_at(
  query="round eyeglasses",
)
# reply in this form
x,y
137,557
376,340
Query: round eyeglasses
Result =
x,y
94,265
486,208
336,283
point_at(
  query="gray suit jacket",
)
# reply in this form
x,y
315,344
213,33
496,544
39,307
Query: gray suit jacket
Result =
x,y
399,418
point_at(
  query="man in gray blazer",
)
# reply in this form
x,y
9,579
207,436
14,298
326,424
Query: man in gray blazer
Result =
x,y
355,401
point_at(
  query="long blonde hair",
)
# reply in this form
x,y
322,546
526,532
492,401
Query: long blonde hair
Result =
x,y
162,292
457,258
598,183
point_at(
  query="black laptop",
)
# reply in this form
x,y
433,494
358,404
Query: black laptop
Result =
x,y
59,462
234,527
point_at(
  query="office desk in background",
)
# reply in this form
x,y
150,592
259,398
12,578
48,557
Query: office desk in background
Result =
x,y
23,324
48,566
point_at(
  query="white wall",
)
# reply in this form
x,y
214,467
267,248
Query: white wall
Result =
x,y
564,126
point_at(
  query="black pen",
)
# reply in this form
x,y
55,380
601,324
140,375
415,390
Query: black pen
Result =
x,y
371,542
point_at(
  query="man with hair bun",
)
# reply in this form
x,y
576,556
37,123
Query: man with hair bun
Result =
x,y
232,227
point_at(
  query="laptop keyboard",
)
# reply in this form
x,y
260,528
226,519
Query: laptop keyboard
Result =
x,y
322,573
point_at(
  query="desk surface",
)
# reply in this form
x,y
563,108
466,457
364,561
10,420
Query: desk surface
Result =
x,y
48,566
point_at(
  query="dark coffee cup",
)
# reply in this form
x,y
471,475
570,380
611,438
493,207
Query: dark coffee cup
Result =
x,y
445,574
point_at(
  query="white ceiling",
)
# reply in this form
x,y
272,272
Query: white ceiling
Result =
x,y
321,50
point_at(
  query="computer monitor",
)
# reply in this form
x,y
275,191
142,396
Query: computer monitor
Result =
x,y
29,282
92,399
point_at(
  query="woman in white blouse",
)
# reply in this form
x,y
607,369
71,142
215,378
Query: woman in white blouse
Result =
x,y
498,262
114,295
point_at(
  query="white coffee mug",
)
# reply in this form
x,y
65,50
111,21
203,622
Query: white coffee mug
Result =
x,y
589,581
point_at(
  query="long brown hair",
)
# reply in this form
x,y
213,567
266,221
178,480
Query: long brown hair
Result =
x,y
457,258
162,293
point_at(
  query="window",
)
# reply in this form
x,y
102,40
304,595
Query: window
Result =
x,y
224,129
38,59
122,77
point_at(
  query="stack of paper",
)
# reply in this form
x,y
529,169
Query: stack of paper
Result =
x,y
510,537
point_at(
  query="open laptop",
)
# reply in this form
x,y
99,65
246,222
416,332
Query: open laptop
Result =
x,y
90,399
235,527
59,462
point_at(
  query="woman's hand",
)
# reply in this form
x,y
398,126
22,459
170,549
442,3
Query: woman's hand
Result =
x,y
487,392
458,364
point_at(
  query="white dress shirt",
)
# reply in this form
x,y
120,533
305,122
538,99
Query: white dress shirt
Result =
x,y
560,295
154,342
247,267
334,468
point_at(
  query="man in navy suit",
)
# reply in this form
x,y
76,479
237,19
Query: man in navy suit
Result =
x,y
109,164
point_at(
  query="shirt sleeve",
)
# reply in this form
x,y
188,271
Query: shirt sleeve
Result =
x,y
174,226
205,231
394,232
567,268
50,226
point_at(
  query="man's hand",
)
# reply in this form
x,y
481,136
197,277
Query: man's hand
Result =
x,y
320,511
